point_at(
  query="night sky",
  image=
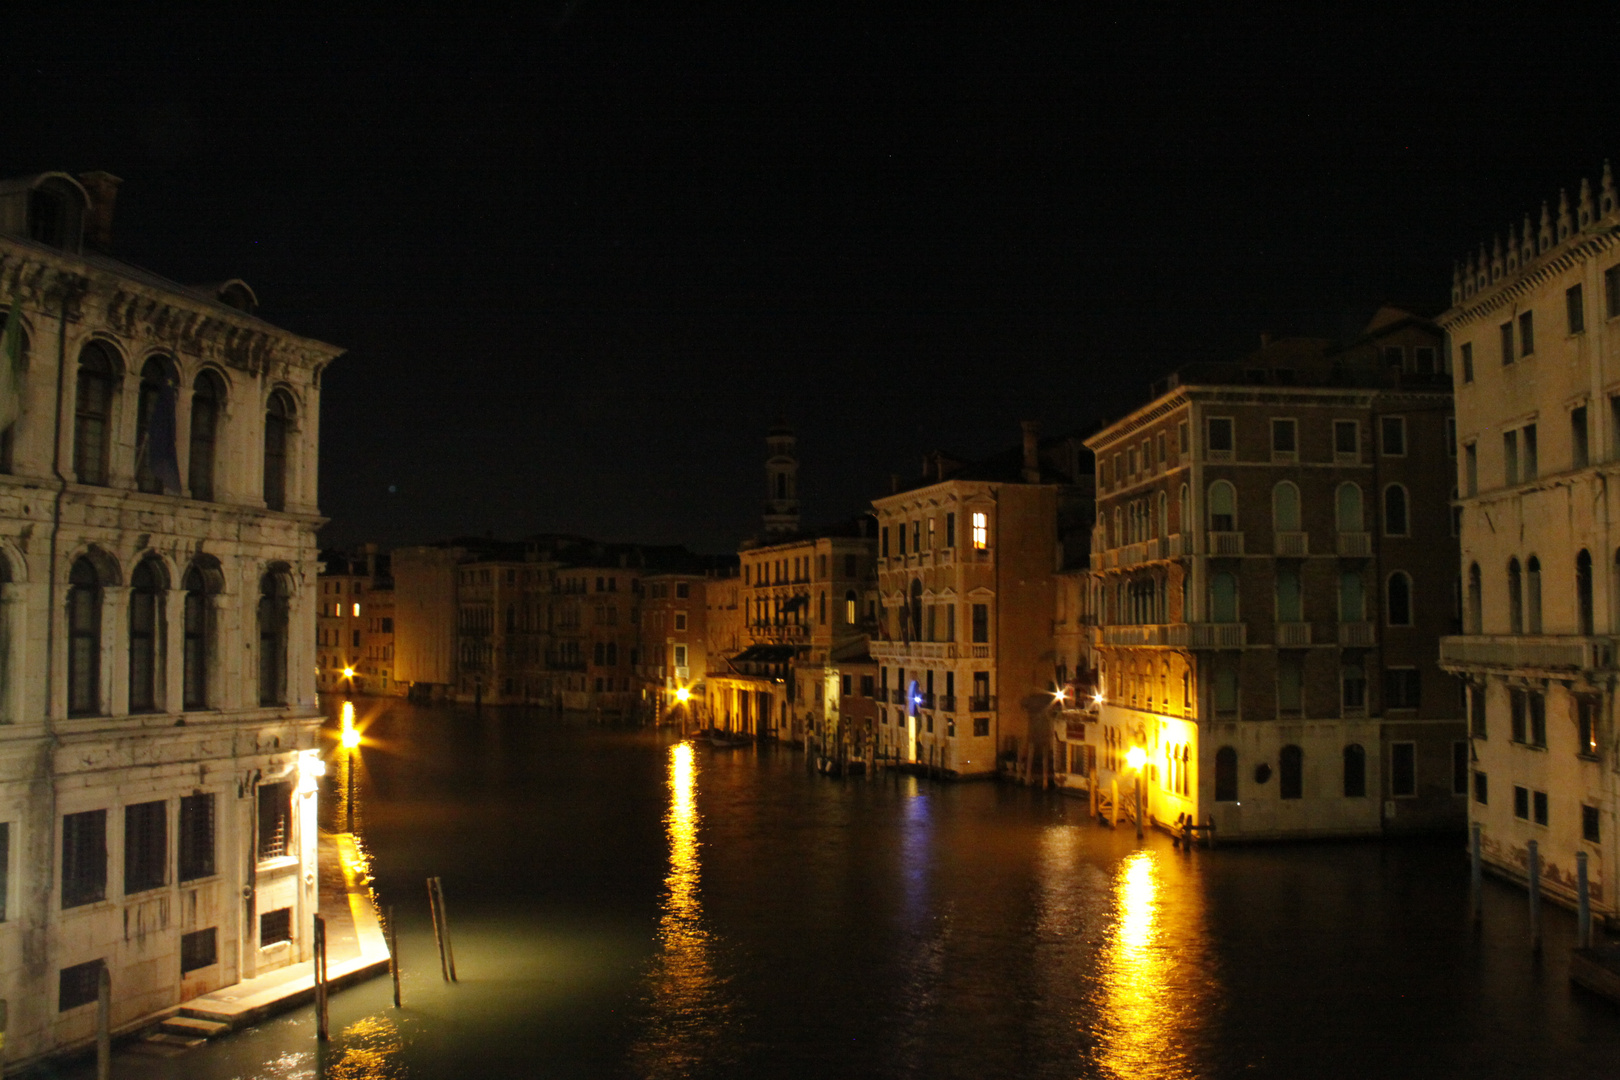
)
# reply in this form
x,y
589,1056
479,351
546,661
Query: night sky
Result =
x,y
583,254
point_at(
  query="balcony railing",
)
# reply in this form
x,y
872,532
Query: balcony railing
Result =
x,y
981,650
914,650
1177,546
1355,545
1517,651
981,704
1293,544
1208,635
1357,635
947,703
1225,543
1097,558
1293,634
1133,635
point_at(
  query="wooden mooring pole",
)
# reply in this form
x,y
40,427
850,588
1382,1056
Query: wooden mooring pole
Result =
x,y
321,1030
393,952
1535,897
438,934
441,929
1476,873
1583,904
104,1024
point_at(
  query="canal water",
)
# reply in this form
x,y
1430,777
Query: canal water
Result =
x,y
627,905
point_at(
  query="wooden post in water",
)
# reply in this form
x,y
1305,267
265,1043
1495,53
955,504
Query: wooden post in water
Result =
x,y
444,918
1535,897
104,1024
1583,904
321,1031
438,934
1476,873
393,952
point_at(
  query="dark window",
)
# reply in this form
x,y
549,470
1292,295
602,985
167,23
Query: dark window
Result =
x,y
84,858
1219,434
1403,768
1521,803
1575,306
388,622
1583,592
981,623
883,542
950,533
275,820
1353,684
1527,333
1467,363
1589,824
1538,718
84,640
272,639
981,726
1539,801
92,420
1400,599
79,985
198,643
1283,437
198,949
1482,789
1226,775
143,651
277,421
866,686
1579,449
1459,768
196,837
1392,435
1402,688
1476,711
1531,464
1517,711
5,867
1611,290
146,846
206,396
1346,436
1507,343
1355,772
1291,773
1395,516
275,926
354,638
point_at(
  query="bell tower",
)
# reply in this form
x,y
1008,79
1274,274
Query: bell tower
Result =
x,y
782,482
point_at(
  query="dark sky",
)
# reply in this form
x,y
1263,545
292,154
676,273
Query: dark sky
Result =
x,y
582,254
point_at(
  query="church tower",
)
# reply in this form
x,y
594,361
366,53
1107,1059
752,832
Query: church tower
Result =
x,y
782,480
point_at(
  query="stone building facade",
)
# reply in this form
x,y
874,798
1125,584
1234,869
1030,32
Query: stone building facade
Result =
x,y
354,624
1271,577
1535,339
158,750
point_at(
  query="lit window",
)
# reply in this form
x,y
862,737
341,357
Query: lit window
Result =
x,y
981,530
357,611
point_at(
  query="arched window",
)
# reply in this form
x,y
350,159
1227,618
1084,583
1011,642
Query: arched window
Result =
x,y
1395,517
849,613
84,639
1348,509
1119,527
1289,606
821,608
1164,515
1184,512
278,419
1532,596
1398,599
146,591
157,470
1285,507
1222,507
92,417
1515,598
916,609
1476,600
1352,599
1291,772
1583,592
201,581
1355,772
207,398
1226,775
1223,599
273,598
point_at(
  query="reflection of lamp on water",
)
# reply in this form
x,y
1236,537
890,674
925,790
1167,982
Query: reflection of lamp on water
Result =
x,y
1136,758
350,739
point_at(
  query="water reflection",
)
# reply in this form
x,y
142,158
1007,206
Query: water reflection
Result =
x,y
685,1006
368,1049
1141,1011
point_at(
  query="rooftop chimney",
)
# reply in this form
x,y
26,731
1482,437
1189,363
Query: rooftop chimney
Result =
x,y
102,188
1032,451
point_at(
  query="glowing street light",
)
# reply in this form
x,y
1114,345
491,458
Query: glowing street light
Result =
x,y
1136,757
351,738
683,695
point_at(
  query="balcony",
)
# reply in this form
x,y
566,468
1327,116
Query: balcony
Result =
x,y
1131,554
1357,635
1208,635
1177,546
783,632
1133,635
1355,545
1225,543
1293,635
981,704
981,651
1292,544
1521,652
913,650
947,703
1097,558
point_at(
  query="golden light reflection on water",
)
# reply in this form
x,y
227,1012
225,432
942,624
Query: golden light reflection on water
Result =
x,y
683,992
367,1049
1141,1016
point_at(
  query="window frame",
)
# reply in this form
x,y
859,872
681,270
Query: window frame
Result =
x,y
1386,424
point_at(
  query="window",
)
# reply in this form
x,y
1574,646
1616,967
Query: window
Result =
x,y
1403,769
143,650
981,624
1575,309
1482,789
1285,507
1226,688
1533,595
79,985
683,591
1583,592
1467,351
883,546
950,542
272,615
198,949
1476,600
1348,509
196,837
1515,598
1476,711
1530,470
1355,772
1537,702
275,926
1517,712
1218,436
981,530
275,820
277,422
84,858
849,610
1423,357
1471,469
92,418
1222,507
1507,343
1395,515
1589,824
198,636
981,726
1521,803
146,846
1402,688
1183,438
156,470
1352,599
1226,775
1398,599
1291,773
1346,439
84,639
1223,598
1290,683
1510,457
1284,437
1392,435
1527,333
680,656
1538,799
1611,290
1353,687
1459,768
